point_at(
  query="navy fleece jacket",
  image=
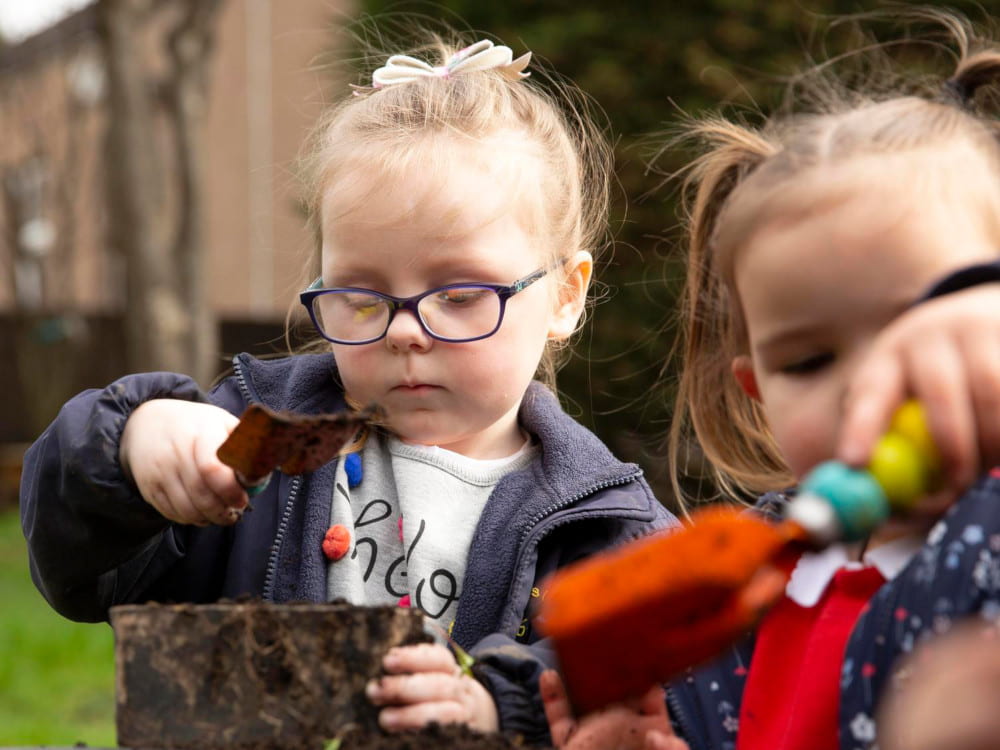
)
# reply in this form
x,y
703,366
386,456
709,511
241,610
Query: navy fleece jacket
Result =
x,y
93,542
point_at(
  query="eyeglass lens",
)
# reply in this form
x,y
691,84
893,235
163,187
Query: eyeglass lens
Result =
x,y
457,313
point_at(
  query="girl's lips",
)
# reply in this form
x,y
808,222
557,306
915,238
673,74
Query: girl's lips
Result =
x,y
415,388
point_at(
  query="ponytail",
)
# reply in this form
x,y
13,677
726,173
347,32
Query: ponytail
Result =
x,y
729,426
974,72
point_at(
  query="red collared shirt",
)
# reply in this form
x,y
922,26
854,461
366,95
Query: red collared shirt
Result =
x,y
792,694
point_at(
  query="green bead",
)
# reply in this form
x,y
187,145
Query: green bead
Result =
x,y
855,496
900,469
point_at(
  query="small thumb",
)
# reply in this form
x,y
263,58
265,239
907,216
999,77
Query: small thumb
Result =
x,y
655,740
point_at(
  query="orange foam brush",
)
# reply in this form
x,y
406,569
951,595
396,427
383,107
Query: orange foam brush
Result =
x,y
632,617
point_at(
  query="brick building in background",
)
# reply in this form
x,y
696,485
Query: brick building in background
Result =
x,y
61,288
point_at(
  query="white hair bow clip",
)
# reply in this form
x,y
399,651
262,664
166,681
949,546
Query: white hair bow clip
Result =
x,y
482,55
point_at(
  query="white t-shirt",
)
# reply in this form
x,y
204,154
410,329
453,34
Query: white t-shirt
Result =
x,y
411,521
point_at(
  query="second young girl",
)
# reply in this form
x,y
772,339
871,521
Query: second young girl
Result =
x,y
458,207
831,255
870,223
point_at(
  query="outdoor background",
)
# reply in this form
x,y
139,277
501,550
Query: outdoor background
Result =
x,y
642,62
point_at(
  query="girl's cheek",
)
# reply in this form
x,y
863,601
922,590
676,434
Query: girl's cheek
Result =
x,y
807,442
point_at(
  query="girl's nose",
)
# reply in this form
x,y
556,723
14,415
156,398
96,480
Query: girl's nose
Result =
x,y
406,334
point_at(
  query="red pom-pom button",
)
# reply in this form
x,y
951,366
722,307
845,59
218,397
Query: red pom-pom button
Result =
x,y
337,541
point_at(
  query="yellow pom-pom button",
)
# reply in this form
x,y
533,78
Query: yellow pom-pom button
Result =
x,y
900,469
910,421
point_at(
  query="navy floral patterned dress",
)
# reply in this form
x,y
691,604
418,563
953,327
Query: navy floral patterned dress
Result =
x,y
955,575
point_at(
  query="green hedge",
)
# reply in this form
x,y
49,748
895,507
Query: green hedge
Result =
x,y
643,62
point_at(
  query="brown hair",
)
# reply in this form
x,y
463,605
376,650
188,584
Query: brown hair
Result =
x,y
556,120
745,176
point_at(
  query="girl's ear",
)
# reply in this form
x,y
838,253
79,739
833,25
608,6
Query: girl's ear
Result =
x,y
572,295
743,372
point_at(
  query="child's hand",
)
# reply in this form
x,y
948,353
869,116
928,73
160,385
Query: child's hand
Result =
x,y
945,353
945,694
425,684
168,449
638,725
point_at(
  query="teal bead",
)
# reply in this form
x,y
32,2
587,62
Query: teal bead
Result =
x,y
855,496
255,489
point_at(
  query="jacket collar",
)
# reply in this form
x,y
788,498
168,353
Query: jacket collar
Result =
x,y
304,383
573,459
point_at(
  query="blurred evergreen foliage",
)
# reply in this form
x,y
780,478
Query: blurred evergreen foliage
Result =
x,y
645,63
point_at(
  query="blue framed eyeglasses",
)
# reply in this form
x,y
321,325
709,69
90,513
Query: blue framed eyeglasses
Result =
x,y
456,313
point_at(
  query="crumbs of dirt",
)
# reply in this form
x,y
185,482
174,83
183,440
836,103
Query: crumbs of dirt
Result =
x,y
250,675
450,736
433,737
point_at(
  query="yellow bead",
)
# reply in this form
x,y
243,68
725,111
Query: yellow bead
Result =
x,y
900,470
910,421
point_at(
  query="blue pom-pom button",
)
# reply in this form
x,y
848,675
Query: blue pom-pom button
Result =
x,y
352,466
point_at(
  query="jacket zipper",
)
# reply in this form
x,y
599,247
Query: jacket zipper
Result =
x,y
272,561
679,717
241,380
538,517
279,538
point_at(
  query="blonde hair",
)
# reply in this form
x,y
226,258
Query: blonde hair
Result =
x,y
556,120
746,176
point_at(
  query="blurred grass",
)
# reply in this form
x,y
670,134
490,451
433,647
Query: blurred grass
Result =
x,y
56,676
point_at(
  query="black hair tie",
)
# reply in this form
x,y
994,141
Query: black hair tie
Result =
x,y
957,93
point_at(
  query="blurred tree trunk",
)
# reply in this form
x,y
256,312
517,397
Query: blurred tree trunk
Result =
x,y
191,43
156,203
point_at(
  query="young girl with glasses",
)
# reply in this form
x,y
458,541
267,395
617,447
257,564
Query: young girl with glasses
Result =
x,y
458,207
838,250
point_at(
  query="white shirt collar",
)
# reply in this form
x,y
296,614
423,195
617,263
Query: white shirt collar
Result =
x,y
814,570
